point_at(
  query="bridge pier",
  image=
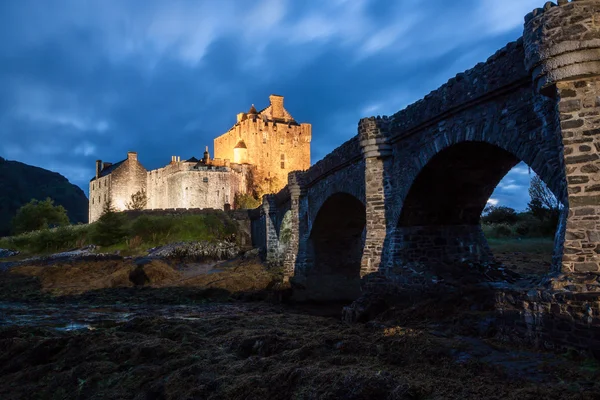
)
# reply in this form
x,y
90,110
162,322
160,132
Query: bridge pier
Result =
x,y
269,209
564,62
296,250
373,134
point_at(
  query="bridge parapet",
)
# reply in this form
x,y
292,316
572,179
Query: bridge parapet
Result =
x,y
346,154
502,72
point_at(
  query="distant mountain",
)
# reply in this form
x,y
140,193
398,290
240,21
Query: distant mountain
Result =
x,y
19,183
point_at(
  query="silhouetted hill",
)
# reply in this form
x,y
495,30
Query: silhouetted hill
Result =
x,y
19,183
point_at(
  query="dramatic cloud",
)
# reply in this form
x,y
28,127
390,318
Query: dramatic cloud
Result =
x,y
83,80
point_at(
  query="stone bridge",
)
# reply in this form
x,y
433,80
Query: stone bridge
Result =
x,y
409,189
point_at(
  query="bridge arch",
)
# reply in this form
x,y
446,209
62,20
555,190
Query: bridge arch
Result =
x,y
334,248
440,215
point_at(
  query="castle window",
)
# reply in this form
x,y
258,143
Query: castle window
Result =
x,y
283,157
92,200
264,139
99,199
92,186
104,196
205,180
283,165
281,141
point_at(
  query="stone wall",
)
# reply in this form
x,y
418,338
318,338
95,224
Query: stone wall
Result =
x,y
580,121
549,319
275,146
182,186
128,178
432,244
563,57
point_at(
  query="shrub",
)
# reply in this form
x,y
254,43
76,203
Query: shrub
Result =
x,y
152,229
110,227
56,239
37,215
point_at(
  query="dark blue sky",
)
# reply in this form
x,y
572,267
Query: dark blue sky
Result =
x,y
91,79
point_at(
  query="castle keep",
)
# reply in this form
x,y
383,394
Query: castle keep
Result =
x,y
262,146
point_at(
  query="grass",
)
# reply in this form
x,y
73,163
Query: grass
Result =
x,y
527,245
143,232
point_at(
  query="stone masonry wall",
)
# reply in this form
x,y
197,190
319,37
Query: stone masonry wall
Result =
x,y
432,244
127,179
580,121
563,57
549,319
271,145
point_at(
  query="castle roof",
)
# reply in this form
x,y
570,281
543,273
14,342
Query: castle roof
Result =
x,y
252,110
268,113
193,159
109,169
240,145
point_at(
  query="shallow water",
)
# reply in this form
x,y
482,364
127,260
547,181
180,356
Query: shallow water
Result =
x,y
69,317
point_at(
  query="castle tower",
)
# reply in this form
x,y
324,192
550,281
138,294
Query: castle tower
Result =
x,y
269,139
240,153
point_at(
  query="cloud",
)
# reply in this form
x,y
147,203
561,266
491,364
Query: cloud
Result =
x,y
94,79
499,17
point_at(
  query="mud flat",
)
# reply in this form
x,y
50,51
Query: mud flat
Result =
x,y
86,329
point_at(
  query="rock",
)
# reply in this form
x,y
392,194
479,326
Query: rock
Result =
x,y
8,253
196,250
251,253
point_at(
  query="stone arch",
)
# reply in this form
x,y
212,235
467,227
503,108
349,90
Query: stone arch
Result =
x,y
439,217
350,181
335,247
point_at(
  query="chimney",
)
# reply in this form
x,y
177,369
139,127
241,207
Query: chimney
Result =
x,y
98,168
276,106
132,155
178,158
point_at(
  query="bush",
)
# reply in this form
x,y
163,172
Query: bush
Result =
x,y
37,215
49,240
152,229
110,227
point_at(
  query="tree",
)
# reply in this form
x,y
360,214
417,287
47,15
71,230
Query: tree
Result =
x,y
259,184
110,227
37,215
543,203
138,201
245,201
499,215
262,184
